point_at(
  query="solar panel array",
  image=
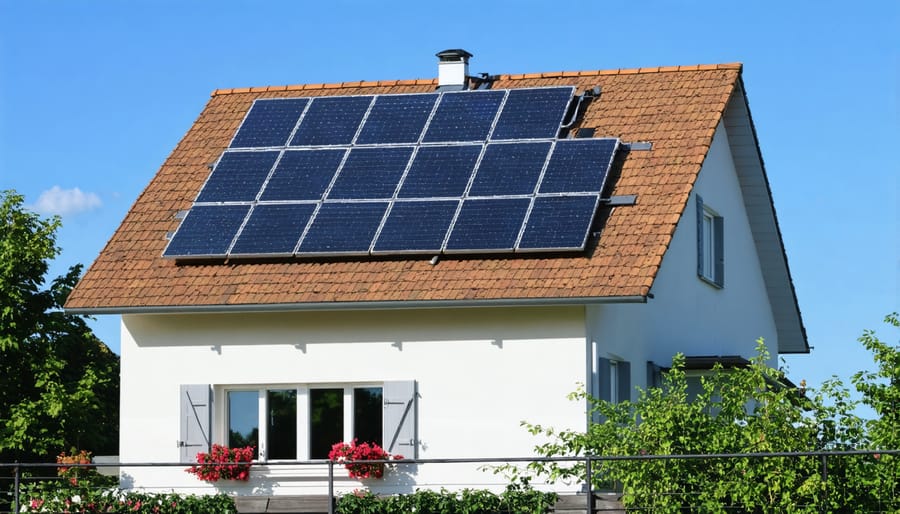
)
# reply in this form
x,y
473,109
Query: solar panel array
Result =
x,y
451,172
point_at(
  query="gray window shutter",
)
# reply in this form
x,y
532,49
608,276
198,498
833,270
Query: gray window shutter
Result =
x,y
624,385
719,231
196,414
604,392
700,253
400,418
654,375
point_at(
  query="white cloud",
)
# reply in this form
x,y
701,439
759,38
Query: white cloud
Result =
x,y
66,201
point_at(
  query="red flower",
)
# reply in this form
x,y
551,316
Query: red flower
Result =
x,y
343,452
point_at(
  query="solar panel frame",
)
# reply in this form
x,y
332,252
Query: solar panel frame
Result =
x,y
464,130
402,213
562,228
583,180
423,180
321,238
294,172
370,173
510,168
485,215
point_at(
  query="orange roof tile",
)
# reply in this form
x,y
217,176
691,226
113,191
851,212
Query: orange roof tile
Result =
x,y
676,108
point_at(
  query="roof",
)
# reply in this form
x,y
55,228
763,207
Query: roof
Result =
x,y
676,108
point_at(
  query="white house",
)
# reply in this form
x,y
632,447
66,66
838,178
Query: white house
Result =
x,y
435,354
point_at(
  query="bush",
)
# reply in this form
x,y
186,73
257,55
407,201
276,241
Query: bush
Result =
x,y
518,499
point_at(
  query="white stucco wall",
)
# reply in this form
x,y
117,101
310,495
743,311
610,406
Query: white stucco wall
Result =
x,y
479,373
687,314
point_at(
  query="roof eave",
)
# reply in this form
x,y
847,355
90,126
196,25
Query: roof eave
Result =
x,y
337,306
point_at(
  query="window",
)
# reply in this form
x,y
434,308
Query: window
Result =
x,y
615,380
303,422
710,245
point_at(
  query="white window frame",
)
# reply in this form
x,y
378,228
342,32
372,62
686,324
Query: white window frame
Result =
x,y
303,404
710,245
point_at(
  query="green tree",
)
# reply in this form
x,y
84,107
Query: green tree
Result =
x,y
58,381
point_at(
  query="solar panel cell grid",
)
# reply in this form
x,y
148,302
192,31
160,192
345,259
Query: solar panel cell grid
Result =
x,y
532,113
238,177
273,229
579,165
510,169
302,175
488,224
207,231
331,121
396,119
416,226
440,171
269,123
371,173
347,228
559,222
464,116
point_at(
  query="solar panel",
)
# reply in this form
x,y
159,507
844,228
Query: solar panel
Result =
x,y
343,228
207,231
331,120
533,113
559,223
488,224
440,171
416,226
269,122
510,169
464,116
579,165
396,119
273,229
371,173
455,172
238,177
302,174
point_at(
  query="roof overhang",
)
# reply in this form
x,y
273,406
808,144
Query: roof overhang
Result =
x,y
338,306
764,224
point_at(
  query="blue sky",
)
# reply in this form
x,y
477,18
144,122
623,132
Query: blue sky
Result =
x,y
95,94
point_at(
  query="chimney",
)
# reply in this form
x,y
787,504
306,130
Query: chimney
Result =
x,y
453,69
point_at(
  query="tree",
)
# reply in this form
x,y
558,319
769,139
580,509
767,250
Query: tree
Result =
x,y
58,381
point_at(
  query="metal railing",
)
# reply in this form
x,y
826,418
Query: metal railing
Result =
x,y
16,474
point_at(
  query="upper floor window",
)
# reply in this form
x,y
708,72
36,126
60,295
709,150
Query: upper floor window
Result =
x,y
710,245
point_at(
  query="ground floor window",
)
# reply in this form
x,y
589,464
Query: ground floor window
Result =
x,y
303,422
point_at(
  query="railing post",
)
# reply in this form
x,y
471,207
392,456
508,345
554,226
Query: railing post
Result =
x,y
16,488
589,484
824,483
330,487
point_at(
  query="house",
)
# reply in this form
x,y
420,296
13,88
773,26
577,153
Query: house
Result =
x,y
434,351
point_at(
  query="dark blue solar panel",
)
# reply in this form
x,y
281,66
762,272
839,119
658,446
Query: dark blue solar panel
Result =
x,y
273,229
396,119
331,120
532,113
303,174
440,171
416,226
238,177
371,173
510,169
579,165
207,230
344,228
488,224
559,222
466,116
269,123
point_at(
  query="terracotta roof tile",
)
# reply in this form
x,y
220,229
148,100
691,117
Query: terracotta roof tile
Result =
x,y
677,108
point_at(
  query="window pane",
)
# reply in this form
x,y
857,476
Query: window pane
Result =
x,y
243,420
367,414
326,421
282,433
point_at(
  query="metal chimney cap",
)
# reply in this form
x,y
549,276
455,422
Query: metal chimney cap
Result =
x,y
453,54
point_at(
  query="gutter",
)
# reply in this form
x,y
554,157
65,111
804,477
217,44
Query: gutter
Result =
x,y
343,306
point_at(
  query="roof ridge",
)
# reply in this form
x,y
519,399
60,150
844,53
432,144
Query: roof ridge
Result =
x,y
517,76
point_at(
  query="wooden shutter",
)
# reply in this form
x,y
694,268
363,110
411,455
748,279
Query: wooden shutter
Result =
x,y
400,413
624,385
719,236
700,253
196,414
604,391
